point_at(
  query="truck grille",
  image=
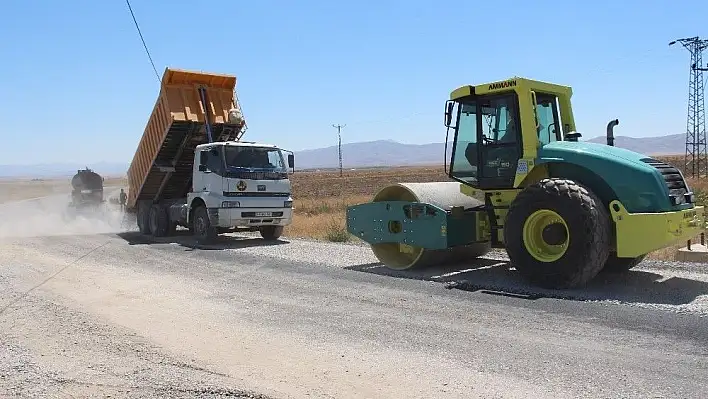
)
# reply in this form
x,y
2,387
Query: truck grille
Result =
x,y
257,175
678,189
254,194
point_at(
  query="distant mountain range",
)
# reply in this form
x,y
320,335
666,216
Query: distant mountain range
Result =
x,y
354,155
662,145
391,153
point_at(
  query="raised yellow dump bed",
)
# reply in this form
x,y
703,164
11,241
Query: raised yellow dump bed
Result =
x,y
162,164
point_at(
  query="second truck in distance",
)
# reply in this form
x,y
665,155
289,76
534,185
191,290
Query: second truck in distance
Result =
x,y
191,168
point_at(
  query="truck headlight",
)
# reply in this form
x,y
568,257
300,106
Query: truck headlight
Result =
x,y
288,204
230,204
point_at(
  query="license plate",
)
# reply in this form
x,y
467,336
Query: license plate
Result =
x,y
263,214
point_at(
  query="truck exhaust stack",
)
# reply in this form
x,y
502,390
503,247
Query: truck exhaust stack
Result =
x,y
610,132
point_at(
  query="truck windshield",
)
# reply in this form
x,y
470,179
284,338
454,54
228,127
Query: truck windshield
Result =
x,y
254,158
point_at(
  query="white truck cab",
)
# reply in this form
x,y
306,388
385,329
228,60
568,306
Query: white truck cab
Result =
x,y
240,185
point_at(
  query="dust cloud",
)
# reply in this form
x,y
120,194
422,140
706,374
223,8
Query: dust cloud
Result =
x,y
51,216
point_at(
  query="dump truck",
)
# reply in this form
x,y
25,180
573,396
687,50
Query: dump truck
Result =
x,y
520,179
192,169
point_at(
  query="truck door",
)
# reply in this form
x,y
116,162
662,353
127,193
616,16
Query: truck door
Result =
x,y
208,176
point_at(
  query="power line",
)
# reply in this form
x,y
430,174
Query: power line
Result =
x,y
696,154
143,40
339,135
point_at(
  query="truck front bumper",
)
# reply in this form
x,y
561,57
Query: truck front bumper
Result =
x,y
640,233
250,217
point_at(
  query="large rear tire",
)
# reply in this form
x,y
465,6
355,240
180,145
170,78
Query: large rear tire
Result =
x,y
143,218
159,221
557,234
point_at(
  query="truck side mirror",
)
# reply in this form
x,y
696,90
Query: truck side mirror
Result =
x,y
449,106
291,161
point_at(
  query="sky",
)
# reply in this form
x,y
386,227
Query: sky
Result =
x,y
78,86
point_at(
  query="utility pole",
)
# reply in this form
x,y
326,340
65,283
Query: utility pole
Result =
x,y
339,136
696,154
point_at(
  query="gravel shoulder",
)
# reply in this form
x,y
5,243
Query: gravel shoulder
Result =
x,y
133,318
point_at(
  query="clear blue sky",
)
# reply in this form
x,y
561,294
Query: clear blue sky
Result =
x,y
77,85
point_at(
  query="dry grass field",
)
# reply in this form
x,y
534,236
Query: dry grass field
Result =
x,y
321,197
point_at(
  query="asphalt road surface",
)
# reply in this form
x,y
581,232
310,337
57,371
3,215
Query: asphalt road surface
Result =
x,y
98,315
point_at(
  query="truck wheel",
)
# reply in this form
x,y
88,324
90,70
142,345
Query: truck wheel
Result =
x,y
621,265
557,234
159,221
271,233
201,225
143,218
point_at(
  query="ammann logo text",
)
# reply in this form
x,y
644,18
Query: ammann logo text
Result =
x,y
502,85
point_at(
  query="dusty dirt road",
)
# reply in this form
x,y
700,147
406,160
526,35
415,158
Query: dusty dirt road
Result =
x,y
113,314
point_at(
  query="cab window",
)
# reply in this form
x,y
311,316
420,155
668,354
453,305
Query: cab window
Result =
x,y
548,128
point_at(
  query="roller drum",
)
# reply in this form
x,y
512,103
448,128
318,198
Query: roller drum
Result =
x,y
444,195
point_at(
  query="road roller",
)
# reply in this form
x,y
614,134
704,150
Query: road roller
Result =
x,y
520,179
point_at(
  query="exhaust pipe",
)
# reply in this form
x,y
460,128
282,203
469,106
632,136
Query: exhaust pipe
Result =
x,y
610,132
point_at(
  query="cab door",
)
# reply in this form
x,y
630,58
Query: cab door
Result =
x,y
499,141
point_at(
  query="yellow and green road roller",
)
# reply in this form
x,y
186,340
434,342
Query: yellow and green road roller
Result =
x,y
521,180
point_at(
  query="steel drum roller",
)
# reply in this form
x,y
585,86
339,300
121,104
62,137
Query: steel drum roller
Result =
x,y
442,194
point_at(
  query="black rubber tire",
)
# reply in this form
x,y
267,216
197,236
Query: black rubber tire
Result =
x,y
589,231
159,221
621,265
143,218
271,233
201,225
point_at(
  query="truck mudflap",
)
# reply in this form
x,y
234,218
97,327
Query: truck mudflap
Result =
x,y
213,216
415,224
641,233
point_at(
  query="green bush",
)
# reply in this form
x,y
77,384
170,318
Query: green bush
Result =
x,y
337,233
